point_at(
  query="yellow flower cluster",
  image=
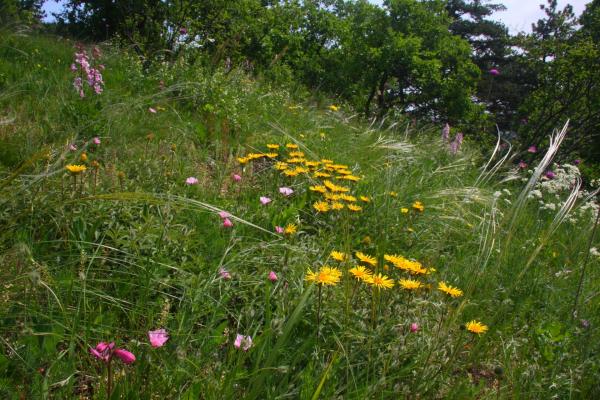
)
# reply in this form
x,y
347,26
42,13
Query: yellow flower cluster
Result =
x,y
324,276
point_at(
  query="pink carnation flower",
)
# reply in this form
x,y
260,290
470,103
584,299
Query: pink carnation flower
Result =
x,y
243,342
414,327
158,337
227,223
272,276
279,229
264,200
236,177
191,181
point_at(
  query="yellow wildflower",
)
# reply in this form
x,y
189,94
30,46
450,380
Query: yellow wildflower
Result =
x,y
271,155
354,207
280,166
326,161
290,172
291,146
365,258
449,290
339,256
380,281
365,199
393,194
290,229
417,205
75,168
333,108
319,174
324,276
337,206
404,210
410,284
271,146
320,189
321,206
296,154
243,160
476,327
360,272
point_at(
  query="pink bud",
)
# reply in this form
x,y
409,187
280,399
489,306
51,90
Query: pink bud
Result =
x,y
279,229
264,200
224,273
236,177
532,149
272,276
522,165
227,223
96,141
152,110
191,181
125,356
224,214
414,327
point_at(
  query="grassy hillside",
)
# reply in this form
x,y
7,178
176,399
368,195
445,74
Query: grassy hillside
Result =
x,y
132,244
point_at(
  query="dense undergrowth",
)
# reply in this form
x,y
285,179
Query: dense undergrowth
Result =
x,y
127,246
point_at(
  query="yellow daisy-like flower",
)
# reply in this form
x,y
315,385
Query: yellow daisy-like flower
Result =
x,y
290,229
311,164
333,108
404,210
365,199
339,256
380,281
296,160
296,154
410,284
321,206
340,166
365,258
326,161
255,156
271,146
347,197
301,170
332,197
476,327
344,171
290,172
417,205
280,166
292,146
337,206
271,155
449,290
354,207
243,160
324,276
360,272
393,194
320,189
75,168
319,174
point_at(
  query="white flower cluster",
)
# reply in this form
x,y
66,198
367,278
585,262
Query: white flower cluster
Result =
x,y
552,191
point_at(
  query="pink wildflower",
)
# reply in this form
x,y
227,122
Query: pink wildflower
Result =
x,y
446,133
550,175
96,141
224,273
577,161
456,143
191,181
494,72
152,110
73,147
125,356
286,191
279,229
522,165
227,223
224,214
264,200
414,327
158,337
245,342
236,177
532,149
104,351
272,276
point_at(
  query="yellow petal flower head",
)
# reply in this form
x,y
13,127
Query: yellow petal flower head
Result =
x,y
75,169
365,258
449,290
417,205
354,207
393,194
320,189
360,272
319,174
333,108
271,146
410,284
321,206
352,178
326,161
380,281
404,210
337,206
290,229
476,327
292,146
280,166
296,154
324,276
290,172
347,197
243,160
339,256
271,155
365,199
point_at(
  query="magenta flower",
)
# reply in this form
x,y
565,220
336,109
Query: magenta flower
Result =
x,y
272,276
152,110
191,181
264,200
279,229
494,72
245,342
73,147
96,141
286,191
182,31
227,223
414,327
224,273
73,68
522,165
236,177
104,351
158,337
532,149
550,175
456,143
577,161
